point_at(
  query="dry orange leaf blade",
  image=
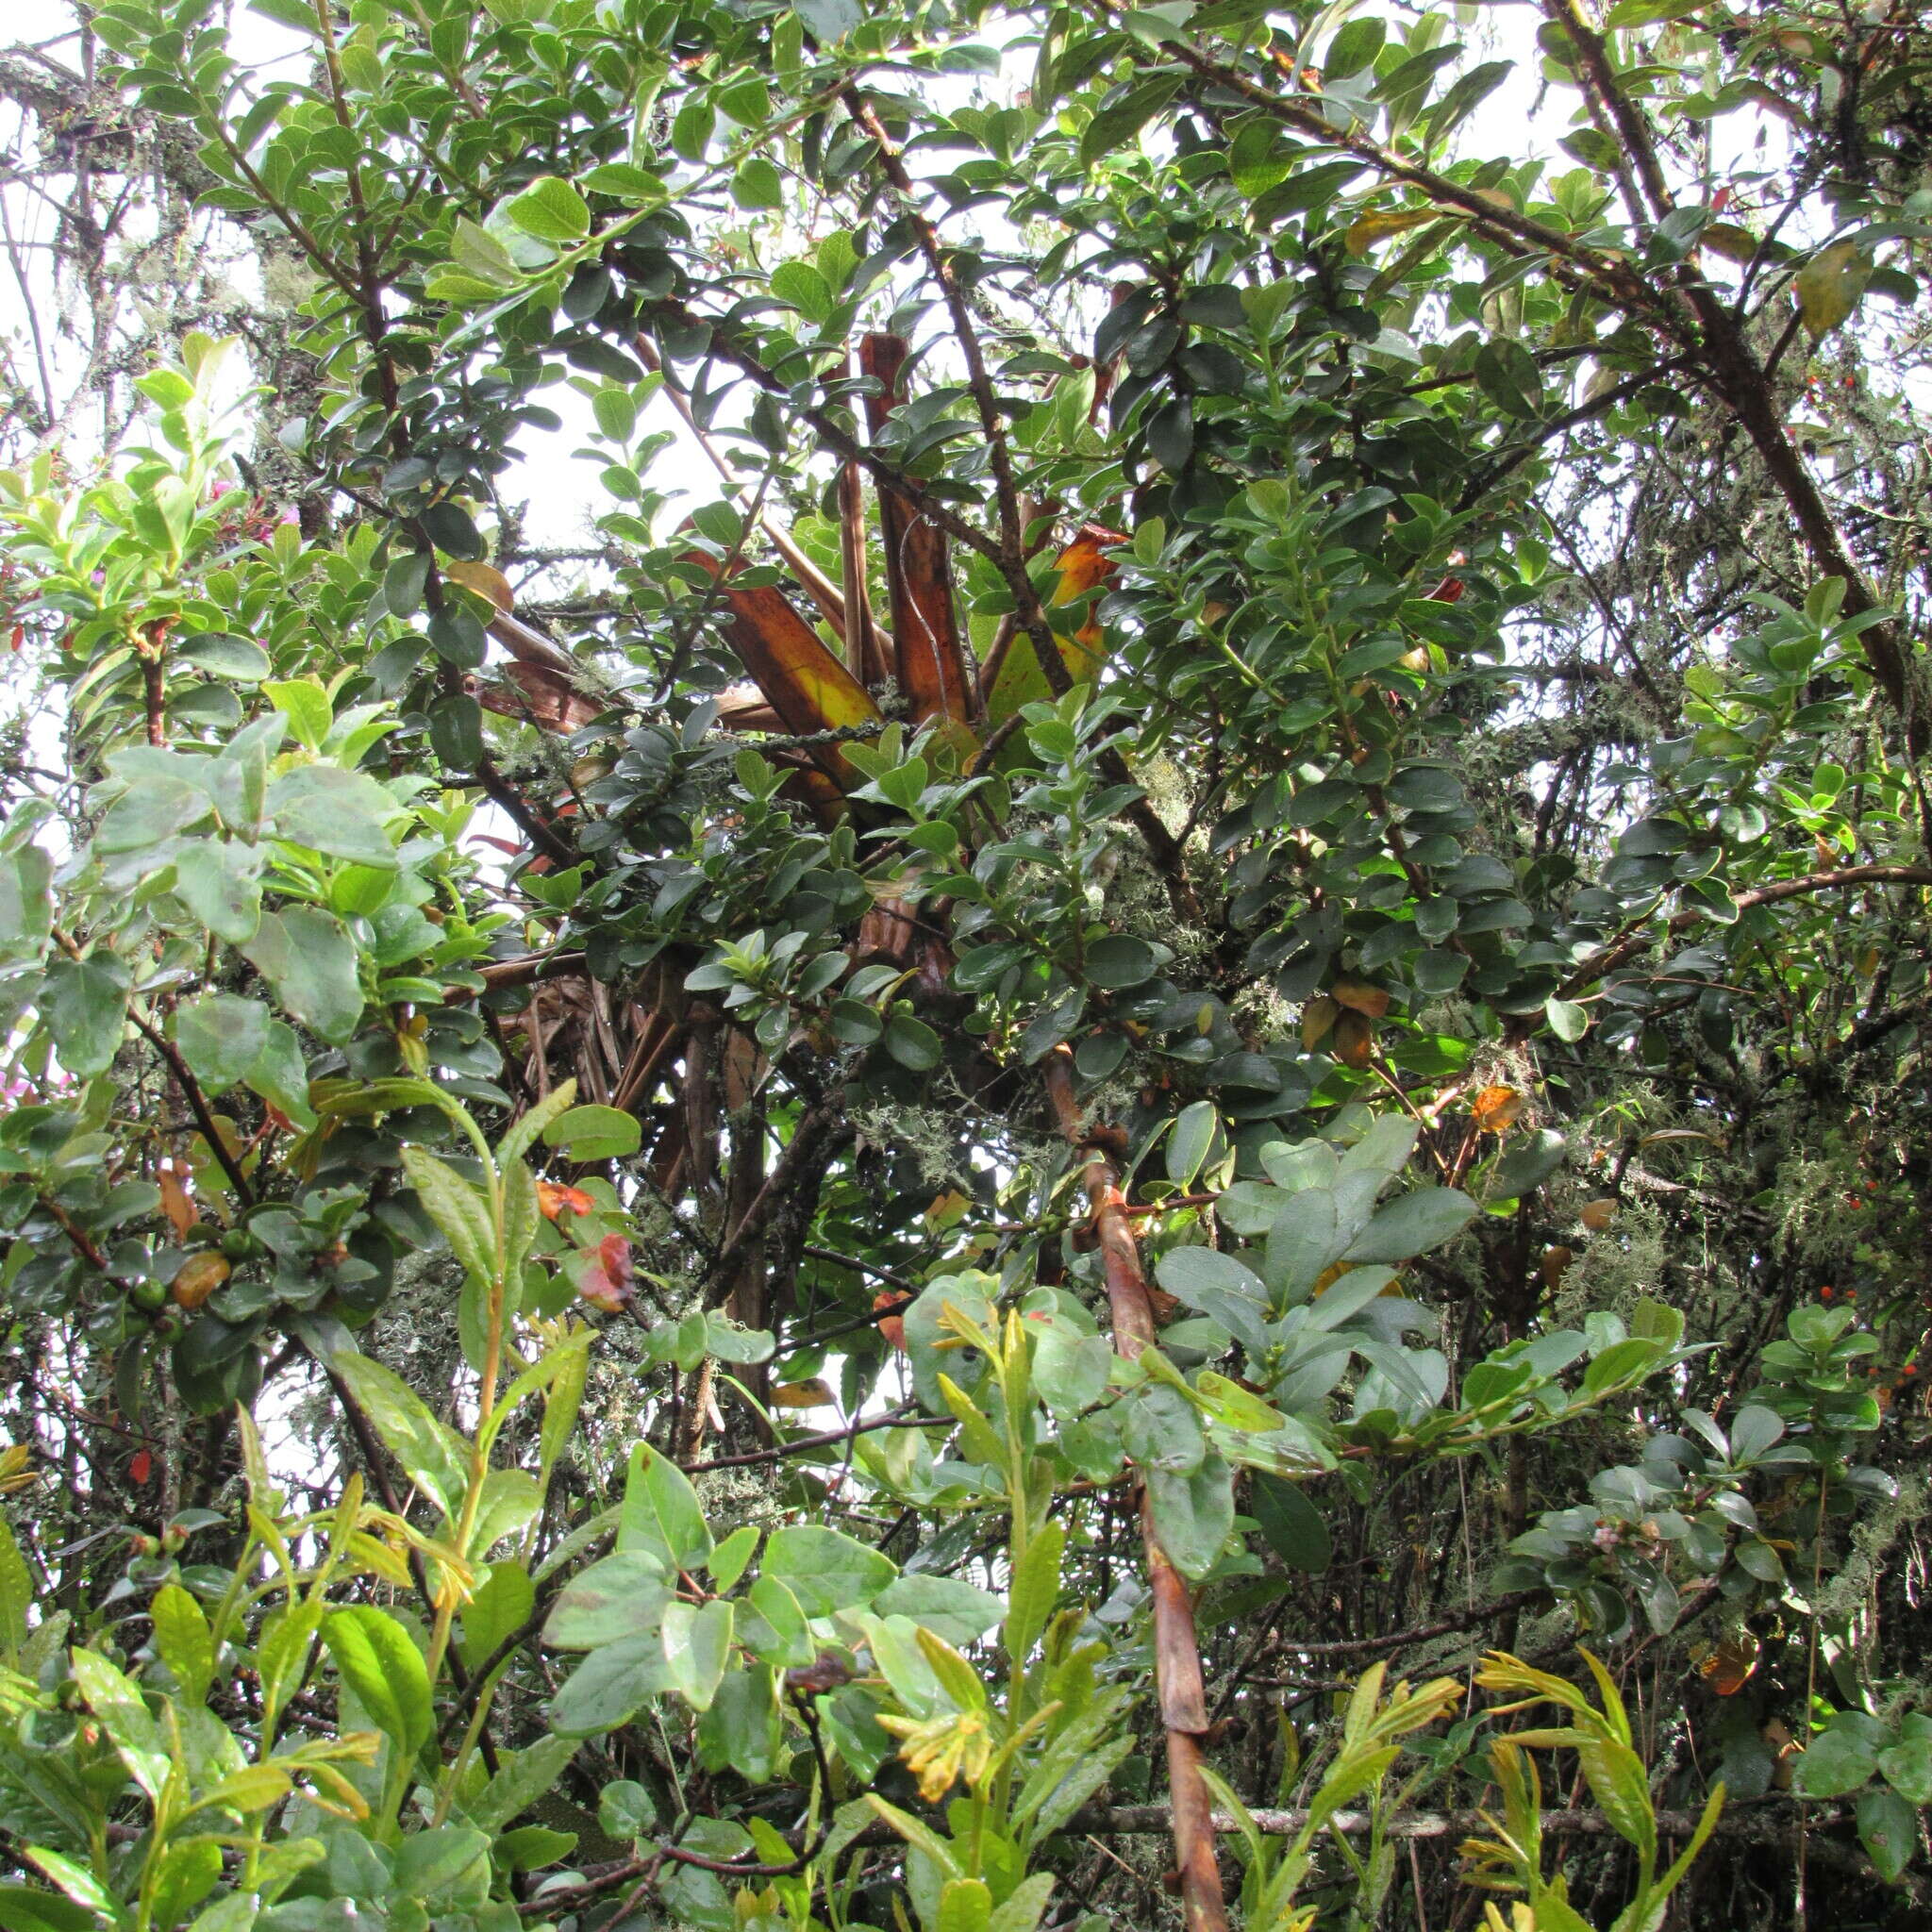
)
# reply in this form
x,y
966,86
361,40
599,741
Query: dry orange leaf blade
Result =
x,y
1555,1261
537,695
806,684
1354,1040
176,1204
1497,1108
1729,1667
1318,1022
1371,1002
1014,678
484,578
197,1278
1599,1214
553,1199
815,1393
892,1326
931,664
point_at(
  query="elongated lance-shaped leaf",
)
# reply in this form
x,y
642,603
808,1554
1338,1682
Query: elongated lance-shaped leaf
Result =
x,y
804,683
1013,677
930,663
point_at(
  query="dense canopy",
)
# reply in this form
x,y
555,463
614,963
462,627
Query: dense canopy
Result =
x,y
965,966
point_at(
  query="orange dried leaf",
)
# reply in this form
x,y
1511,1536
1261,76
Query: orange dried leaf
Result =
x,y
1371,1002
1730,1667
931,665
485,580
1496,1109
1318,1021
1354,1040
1554,1262
806,684
815,1393
892,1326
198,1278
176,1204
553,1199
1599,1214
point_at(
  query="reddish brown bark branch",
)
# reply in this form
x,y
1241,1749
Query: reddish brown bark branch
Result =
x,y
1176,1647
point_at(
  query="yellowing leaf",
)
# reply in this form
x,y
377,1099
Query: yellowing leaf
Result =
x,y
1830,287
1496,1109
1366,230
815,1393
1318,1018
1731,242
198,1278
1360,997
485,580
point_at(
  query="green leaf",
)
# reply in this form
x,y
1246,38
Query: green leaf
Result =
x,y
800,286
526,1776
280,1075
609,1601
443,1866
758,184
594,1133
825,1569
76,1881
432,1454
1413,1224
1193,1514
220,1038
116,1700
155,806
1219,1287
375,1658
661,1512
28,1908
452,529
828,21
220,884
1569,1019
609,1687
522,1136
1836,1761
1035,1589
1296,1530
335,813
726,1563
1908,1769
784,1641
1119,961
307,706
961,1612
1889,1830
550,209
1188,1143
745,1727
697,1646
965,1906
460,1214
84,1003
499,1606
26,907
311,962
184,1640
913,1043
17,1592
1830,286
1024,1905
